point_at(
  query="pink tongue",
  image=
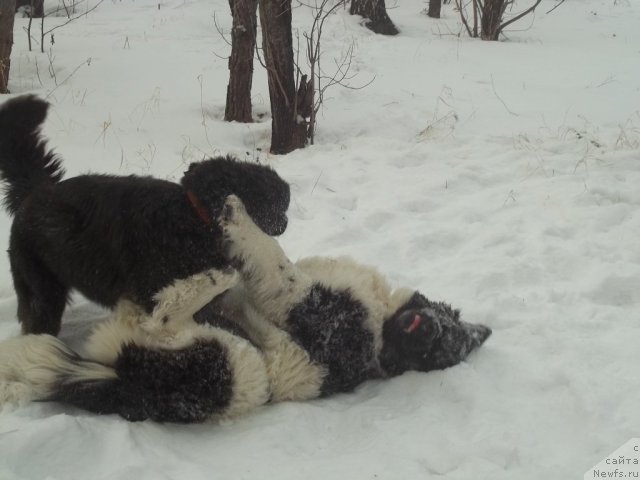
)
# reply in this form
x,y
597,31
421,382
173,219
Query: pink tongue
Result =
x,y
415,324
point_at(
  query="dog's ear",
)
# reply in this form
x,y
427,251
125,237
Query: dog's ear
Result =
x,y
190,168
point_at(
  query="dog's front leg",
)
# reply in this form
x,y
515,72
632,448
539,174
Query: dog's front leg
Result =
x,y
178,302
273,284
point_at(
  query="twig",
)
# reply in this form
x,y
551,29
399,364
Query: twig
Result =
x,y
38,72
561,2
204,117
219,30
518,17
463,17
316,183
72,19
501,101
87,62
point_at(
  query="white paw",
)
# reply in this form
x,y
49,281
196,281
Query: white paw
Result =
x,y
178,302
154,326
205,283
233,212
210,283
223,280
15,393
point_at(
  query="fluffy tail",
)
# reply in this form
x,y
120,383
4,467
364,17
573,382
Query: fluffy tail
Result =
x,y
35,367
25,161
187,385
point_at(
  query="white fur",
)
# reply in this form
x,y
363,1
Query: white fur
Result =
x,y
171,323
30,366
250,387
178,302
292,373
130,324
365,284
275,285
272,282
107,339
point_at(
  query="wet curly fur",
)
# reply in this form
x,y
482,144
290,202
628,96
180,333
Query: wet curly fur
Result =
x,y
114,237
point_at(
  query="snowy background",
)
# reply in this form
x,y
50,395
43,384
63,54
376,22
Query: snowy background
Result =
x,y
501,177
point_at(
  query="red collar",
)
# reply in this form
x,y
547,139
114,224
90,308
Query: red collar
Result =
x,y
199,208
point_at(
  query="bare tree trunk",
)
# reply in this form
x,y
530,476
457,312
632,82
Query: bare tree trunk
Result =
x,y
375,12
7,15
243,43
475,19
492,12
37,8
288,127
434,8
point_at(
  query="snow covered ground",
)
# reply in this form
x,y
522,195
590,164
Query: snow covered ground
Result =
x,y
501,177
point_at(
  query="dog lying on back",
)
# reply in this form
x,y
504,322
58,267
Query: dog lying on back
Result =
x,y
275,331
114,237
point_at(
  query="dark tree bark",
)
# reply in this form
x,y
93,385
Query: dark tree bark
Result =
x,y
37,8
7,15
492,12
243,43
434,8
288,125
375,12
491,16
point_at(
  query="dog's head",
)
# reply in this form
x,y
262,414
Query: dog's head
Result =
x,y
424,335
265,195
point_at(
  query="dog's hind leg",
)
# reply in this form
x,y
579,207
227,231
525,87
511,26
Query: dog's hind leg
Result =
x,y
41,297
273,284
293,375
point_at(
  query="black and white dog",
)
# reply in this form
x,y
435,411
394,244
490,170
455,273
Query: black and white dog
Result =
x,y
276,331
114,237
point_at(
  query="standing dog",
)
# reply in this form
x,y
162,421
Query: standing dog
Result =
x,y
114,237
276,331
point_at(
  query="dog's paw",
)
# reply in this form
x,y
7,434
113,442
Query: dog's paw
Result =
x,y
15,393
198,288
237,227
233,212
177,303
223,280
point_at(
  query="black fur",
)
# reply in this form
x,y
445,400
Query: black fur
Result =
x,y
438,341
328,324
213,314
20,121
182,386
113,237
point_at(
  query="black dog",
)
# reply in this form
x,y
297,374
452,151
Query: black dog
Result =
x,y
113,237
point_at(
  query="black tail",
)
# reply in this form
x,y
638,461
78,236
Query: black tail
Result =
x,y
25,161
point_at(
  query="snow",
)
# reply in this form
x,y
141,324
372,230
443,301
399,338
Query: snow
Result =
x,y
500,177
